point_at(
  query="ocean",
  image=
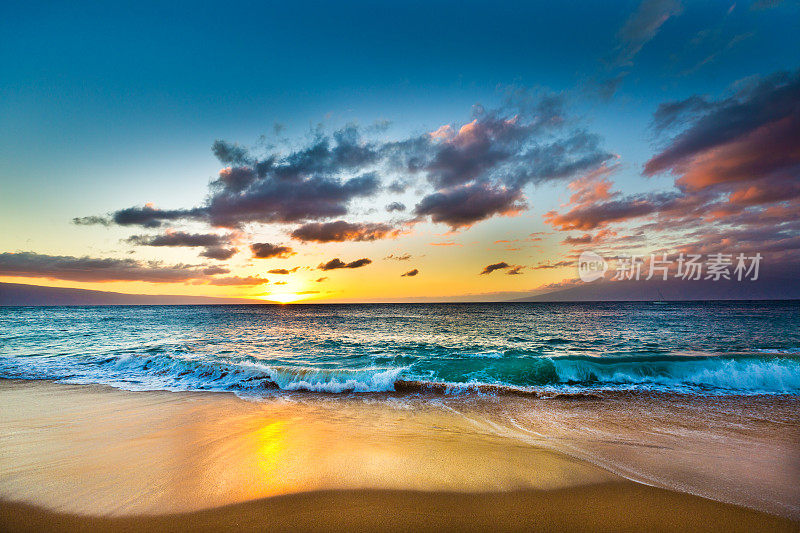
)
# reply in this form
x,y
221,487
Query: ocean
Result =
x,y
701,348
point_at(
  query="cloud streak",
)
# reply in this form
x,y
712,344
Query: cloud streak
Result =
x,y
473,171
488,269
341,231
337,263
89,269
265,250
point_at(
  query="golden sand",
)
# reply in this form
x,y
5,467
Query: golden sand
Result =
x,y
78,457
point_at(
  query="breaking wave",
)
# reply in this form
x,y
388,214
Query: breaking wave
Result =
x,y
743,374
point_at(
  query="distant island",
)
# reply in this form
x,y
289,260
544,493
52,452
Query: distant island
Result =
x,y
21,294
13,294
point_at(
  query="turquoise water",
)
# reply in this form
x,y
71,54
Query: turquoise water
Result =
x,y
700,348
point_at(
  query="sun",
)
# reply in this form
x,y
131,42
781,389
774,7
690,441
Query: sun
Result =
x,y
284,298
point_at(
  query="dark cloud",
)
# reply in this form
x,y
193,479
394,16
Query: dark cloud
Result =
x,y
218,252
480,170
320,280
642,26
671,114
248,281
91,221
515,271
594,215
229,153
265,250
749,136
410,273
215,245
558,264
395,206
89,269
212,270
485,162
341,231
736,167
403,257
488,269
588,238
333,264
180,238
283,271
273,199
149,216
468,204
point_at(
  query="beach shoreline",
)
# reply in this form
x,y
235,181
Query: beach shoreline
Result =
x,y
93,457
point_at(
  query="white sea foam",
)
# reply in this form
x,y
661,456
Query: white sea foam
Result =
x,y
753,375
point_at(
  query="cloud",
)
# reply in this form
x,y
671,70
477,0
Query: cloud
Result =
x,y
594,215
320,280
671,114
480,170
180,238
465,205
338,263
214,269
748,140
341,231
515,271
265,250
588,238
735,165
395,206
642,26
214,244
476,170
558,264
149,216
403,257
283,271
410,273
488,269
91,221
218,252
249,281
89,269
288,199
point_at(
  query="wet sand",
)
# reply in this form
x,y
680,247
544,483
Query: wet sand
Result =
x,y
92,457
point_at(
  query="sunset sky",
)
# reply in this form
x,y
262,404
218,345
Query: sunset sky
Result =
x,y
390,151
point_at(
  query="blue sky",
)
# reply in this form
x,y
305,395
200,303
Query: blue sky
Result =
x,y
108,106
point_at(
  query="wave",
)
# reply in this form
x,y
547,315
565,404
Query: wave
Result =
x,y
320,380
730,374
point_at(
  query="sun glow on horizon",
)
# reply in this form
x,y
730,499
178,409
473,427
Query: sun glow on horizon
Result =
x,y
284,298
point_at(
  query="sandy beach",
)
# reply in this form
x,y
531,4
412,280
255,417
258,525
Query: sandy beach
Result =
x,y
92,457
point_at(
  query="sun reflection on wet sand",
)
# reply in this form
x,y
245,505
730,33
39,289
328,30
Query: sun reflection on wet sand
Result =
x,y
163,452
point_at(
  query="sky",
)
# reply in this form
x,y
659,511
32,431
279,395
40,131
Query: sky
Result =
x,y
391,151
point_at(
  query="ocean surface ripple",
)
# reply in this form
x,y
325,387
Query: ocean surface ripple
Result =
x,y
687,347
